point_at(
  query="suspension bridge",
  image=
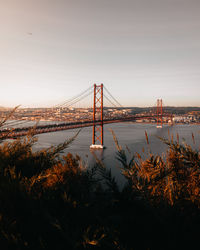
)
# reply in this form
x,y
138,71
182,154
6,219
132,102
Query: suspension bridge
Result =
x,y
99,94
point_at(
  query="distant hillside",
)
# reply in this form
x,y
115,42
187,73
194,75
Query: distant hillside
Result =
x,y
3,108
173,110
182,110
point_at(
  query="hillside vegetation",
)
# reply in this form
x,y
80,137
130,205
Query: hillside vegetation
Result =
x,y
49,201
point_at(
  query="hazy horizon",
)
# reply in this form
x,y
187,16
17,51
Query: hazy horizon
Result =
x,y
125,107
140,49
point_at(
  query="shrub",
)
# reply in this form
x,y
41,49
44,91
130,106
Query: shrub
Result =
x,y
53,202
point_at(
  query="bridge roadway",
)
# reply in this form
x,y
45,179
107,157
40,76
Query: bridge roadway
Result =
x,y
41,129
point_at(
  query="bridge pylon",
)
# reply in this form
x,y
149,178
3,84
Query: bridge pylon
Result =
x,y
97,136
159,113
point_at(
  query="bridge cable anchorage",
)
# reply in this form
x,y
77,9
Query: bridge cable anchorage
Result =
x,y
97,136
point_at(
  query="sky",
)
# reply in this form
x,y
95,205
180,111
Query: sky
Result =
x,y
52,50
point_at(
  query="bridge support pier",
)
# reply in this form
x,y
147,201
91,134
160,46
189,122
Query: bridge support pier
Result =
x,y
159,113
97,136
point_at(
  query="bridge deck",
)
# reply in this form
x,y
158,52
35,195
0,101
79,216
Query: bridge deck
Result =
x,y
41,129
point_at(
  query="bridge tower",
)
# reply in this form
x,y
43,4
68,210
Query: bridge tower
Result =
x,y
159,113
97,136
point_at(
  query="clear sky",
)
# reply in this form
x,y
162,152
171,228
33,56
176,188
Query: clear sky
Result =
x,y
51,50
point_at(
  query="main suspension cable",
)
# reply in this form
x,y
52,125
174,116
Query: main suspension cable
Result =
x,y
112,97
109,100
72,99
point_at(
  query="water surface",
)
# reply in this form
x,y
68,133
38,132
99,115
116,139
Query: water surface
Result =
x,y
131,135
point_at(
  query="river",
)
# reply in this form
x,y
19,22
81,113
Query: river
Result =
x,y
131,135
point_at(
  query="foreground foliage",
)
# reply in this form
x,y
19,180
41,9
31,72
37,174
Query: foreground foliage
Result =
x,y
53,202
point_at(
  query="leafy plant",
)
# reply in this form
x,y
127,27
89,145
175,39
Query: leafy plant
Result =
x,y
53,201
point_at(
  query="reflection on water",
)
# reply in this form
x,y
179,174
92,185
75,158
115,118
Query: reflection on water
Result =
x,y
129,135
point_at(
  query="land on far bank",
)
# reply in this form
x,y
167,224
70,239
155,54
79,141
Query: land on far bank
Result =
x,y
180,114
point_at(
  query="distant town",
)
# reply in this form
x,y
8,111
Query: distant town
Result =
x,y
180,114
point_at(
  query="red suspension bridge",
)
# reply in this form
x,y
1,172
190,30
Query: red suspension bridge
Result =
x,y
100,93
